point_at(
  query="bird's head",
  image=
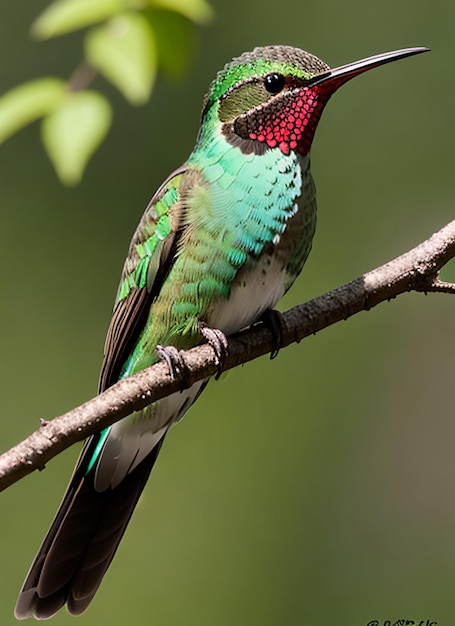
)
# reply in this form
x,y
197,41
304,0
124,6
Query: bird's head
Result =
x,y
273,97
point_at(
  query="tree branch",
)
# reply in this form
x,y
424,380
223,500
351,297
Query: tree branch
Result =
x,y
416,270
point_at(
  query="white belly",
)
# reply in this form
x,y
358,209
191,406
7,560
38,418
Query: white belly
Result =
x,y
255,291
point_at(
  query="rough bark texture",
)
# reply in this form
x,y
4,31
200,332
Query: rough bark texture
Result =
x,y
416,270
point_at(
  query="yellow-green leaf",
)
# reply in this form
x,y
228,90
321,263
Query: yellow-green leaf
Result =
x,y
73,131
28,102
174,37
124,51
64,16
196,10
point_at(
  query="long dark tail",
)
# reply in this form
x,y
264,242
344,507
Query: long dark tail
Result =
x,y
82,541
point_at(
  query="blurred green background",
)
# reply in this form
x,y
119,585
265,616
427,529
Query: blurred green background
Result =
x,y
315,489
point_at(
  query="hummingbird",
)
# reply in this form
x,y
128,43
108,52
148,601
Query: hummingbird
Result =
x,y
219,244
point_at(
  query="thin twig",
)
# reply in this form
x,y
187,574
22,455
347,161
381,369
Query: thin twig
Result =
x,y
82,77
440,286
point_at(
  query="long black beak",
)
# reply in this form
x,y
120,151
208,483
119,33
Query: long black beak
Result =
x,y
340,75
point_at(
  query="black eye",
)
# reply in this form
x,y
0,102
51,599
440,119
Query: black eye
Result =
x,y
274,83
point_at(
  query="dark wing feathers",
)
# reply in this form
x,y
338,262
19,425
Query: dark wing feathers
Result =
x,y
131,311
81,544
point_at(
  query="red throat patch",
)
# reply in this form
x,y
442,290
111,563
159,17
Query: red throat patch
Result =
x,y
293,125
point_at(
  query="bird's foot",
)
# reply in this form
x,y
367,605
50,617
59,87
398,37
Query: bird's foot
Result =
x,y
217,339
174,360
274,321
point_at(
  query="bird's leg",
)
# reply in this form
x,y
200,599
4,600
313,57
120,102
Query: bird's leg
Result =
x,y
217,339
174,360
274,321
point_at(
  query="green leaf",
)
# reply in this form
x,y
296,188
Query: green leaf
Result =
x,y
28,102
174,37
64,16
124,51
196,10
73,131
